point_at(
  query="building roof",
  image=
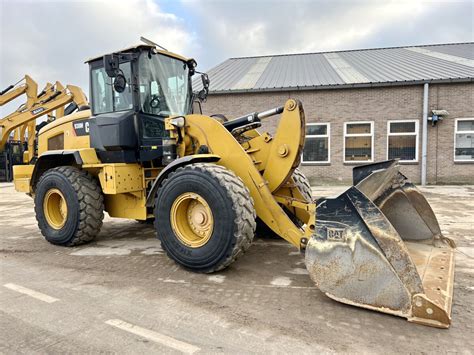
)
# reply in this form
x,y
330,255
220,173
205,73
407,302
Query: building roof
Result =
x,y
351,68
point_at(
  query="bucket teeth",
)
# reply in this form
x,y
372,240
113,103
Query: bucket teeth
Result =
x,y
379,246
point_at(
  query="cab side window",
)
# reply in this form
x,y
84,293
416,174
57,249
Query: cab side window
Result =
x,y
101,93
104,97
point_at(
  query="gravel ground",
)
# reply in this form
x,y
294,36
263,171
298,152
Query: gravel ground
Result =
x,y
122,294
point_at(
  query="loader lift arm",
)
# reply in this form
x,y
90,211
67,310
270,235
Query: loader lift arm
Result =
x,y
53,97
29,86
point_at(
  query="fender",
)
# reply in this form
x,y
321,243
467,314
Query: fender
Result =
x,y
186,160
52,159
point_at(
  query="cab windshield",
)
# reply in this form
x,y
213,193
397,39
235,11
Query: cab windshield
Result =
x,y
164,85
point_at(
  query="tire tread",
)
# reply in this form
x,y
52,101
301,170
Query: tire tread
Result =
x,y
243,207
303,185
91,204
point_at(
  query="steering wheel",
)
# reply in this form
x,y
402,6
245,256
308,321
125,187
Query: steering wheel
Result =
x,y
155,101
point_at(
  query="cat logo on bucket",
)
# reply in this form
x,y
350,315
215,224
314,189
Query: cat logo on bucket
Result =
x,y
336,234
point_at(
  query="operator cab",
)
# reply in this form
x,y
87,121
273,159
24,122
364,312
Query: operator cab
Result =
x,y
132,92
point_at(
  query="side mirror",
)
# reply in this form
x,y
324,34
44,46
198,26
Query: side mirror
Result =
x,y
120,83
205,81
202,95
192,66
111,64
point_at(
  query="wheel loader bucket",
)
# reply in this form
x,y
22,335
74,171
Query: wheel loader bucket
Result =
x,y
379,246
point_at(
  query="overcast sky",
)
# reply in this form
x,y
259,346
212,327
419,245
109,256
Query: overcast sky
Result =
x,y
51,39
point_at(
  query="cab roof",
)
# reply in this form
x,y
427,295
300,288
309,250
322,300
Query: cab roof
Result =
x,y
140,47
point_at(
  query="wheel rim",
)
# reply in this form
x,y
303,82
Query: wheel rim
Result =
x,y
192,220
55,208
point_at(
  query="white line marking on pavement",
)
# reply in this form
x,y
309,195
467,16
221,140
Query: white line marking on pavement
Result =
x,y
154,336
281,281
293,287
32,293
272,285
298,271
216,278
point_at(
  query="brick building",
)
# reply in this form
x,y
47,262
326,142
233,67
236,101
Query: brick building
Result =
x,y
363,106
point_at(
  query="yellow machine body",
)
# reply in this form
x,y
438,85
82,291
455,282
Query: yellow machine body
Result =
x,y
353,244
124,185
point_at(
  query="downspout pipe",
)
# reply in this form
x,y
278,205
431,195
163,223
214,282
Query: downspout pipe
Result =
x,y
424,137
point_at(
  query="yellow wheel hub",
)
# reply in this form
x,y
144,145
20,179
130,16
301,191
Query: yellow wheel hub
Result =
x,y
55,208
192,220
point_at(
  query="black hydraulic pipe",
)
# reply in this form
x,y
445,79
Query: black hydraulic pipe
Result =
x,y
241,121
41,93
52,97
70,108
251,118
7,89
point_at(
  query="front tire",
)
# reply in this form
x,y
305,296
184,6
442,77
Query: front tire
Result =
x,y
69,206
304,187
204,217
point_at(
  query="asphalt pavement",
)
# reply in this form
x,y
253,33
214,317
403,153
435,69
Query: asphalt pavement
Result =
x,y
122,294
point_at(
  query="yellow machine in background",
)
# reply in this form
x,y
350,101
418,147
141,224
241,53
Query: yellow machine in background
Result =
x,y
23,119
141,153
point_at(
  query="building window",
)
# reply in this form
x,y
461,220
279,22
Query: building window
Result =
x,y
402,137
316,147
358,142
464,139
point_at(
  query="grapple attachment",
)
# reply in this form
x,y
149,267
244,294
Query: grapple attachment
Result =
x,y
379,245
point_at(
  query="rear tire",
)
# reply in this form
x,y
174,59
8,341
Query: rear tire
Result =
x,y
69,206
225,211
303,185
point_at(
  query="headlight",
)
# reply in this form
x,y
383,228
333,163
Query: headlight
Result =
x,y
178,121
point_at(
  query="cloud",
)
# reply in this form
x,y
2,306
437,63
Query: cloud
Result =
x,y
51,40
245,28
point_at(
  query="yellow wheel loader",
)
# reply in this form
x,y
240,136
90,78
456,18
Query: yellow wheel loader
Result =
x,y
141,153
